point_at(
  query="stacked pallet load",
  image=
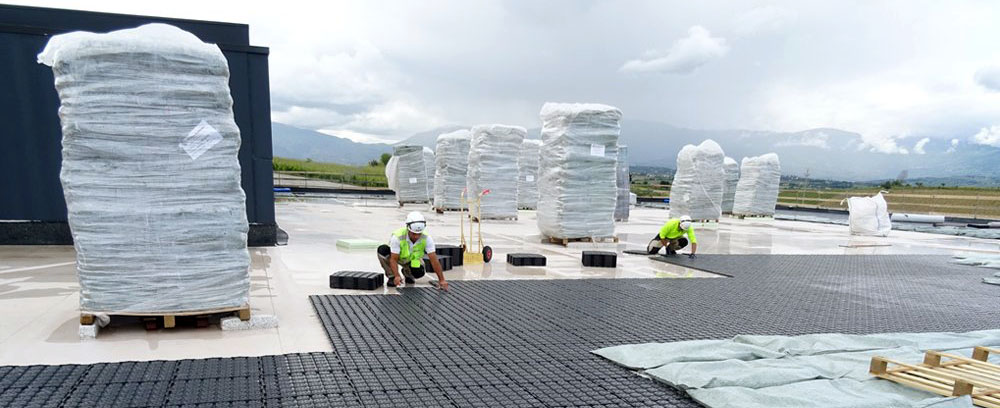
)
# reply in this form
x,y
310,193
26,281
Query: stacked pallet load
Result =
x,y
409,176
623,181
150,172
493,153
451,167
527,175
757,190
697,187
429,169
577,186
732,169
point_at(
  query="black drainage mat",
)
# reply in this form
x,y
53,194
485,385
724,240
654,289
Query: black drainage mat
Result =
x,y
532,338
527,343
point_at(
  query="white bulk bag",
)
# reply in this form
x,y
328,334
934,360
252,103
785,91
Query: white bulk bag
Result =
x,y
869,216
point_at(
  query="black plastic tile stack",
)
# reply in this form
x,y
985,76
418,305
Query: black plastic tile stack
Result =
x,y
600,259
528,343
356,280
526,259
454,251
444,260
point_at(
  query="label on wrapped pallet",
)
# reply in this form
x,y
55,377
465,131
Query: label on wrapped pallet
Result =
x,y
413,180
529,178
200,139
597,150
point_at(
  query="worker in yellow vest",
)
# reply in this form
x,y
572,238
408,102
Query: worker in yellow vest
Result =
x,y
406,251
672,237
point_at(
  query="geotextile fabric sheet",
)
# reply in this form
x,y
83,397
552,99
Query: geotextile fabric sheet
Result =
x,y
577,187
451,167
527,177
696,190
493,153
816,370
150,170
757,190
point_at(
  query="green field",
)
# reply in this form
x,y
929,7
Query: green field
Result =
x,y
361,176
970,202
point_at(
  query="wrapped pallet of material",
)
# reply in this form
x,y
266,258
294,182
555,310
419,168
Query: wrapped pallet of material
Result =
x,y
869,216
622,181
577,186
527,175
410,175
150,171
429,172
493,153
757,190
697,188
390,173
732,169
451,168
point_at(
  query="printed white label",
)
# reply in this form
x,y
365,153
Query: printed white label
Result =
x,y
529,178
200,139
597,150
413,180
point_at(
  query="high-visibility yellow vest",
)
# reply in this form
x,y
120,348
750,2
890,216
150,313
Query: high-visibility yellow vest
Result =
x,y
406,254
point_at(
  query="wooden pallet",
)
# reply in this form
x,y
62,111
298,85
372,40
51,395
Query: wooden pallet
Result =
x,y
170,318
476,219
706,221
566,241
948,375
745,216
442,210
401,203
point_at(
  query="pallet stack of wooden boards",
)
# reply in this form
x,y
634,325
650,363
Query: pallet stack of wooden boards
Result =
x,y
948,375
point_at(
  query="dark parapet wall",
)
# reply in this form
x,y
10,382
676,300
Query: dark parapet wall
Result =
x,y
31,199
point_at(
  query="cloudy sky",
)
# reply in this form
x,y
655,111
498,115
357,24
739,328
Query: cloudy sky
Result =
x,y
899,72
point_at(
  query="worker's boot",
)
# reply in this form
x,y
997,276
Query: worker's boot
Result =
x,y
671,252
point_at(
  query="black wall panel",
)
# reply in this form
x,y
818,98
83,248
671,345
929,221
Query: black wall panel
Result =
x,y
31,199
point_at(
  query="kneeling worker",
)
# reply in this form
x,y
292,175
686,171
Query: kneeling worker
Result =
x,y
409,245
672,238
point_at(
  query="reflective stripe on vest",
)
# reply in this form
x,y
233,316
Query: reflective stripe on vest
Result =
x,y
415,255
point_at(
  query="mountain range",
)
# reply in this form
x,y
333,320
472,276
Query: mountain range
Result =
x,y
817,153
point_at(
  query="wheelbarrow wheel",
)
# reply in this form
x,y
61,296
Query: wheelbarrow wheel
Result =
x,y
487,253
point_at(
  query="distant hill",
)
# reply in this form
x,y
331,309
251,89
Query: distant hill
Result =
x,y
296,143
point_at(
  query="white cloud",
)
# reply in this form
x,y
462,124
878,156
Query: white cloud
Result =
x,y
989,77
684,57
988,136
764,19
953,147
918,148
810,139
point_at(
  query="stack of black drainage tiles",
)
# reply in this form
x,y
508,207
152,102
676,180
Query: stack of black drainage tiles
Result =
x,y
454,251
526,259
528,343
444,260
356,280
601,259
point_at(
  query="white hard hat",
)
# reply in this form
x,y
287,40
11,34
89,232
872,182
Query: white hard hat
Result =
x,y
415,222
685,222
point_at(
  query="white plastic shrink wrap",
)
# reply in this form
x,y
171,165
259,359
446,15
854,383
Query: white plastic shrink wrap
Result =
x,y
410,174
390,173
150,171
732,169
493,153
757,190
697,187
429,169
451,167
527,174
577,187
622,181
869,216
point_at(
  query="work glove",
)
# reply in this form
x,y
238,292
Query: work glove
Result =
x,y
691,256
398,281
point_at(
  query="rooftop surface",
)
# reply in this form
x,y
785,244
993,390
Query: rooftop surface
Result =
x,y
39,315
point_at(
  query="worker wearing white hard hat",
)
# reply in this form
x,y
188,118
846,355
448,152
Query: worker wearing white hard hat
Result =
x,y
406,251
672,237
